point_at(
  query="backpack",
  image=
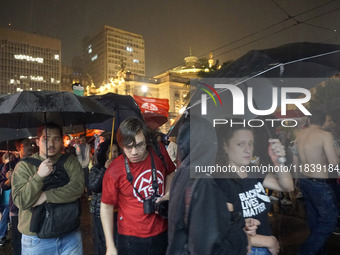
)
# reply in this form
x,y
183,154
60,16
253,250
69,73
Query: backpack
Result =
x,y
50,220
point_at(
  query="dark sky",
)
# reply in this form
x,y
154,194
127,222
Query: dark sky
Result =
x,y
170,27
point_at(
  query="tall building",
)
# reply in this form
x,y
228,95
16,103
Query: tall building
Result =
x,y
28,62
111,50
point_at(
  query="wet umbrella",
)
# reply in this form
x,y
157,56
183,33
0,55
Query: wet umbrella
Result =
x,y
33,108
301,65
122,107
9,135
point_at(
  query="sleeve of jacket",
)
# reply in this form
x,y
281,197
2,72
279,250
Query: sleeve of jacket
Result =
x,y
72,190
209,214
26,185
96,179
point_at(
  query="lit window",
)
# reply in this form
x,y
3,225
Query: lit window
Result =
x,y
129,49
11,81
90,50
135,61
94,57
56,57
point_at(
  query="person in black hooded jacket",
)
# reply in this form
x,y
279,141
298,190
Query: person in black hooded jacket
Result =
x,y
95,182
199,220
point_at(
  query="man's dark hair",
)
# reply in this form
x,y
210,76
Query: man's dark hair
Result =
x,y
128,129
49,125
317,118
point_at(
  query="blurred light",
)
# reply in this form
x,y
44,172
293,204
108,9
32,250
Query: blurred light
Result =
x,y
56,57
144,88
94,57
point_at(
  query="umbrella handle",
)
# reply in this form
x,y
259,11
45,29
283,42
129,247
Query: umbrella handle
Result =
x,y
45,119
112,133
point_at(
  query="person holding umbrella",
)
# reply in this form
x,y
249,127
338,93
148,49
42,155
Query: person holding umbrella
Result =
x,y
28,193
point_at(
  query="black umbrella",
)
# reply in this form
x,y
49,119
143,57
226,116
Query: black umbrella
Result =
x,y
9,135
32,108
294,60
122,107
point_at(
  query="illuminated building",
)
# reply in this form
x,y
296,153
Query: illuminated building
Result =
x,y
28,62
111,50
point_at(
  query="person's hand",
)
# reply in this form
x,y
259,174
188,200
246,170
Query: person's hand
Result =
x,y
276,150
111,251
108,162
9,174
251,226
45,168
274,246
42,199
163,198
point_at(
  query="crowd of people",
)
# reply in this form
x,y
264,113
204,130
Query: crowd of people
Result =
x,y
143,199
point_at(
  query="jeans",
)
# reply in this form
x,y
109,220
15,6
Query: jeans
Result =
x,y
69,244
4,221
259,251
132,245
322,214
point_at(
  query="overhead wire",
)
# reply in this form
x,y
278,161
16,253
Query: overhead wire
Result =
x,y
289,17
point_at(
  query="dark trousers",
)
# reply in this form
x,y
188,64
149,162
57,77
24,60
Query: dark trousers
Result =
x,y
86,176
16,236
322,214
132,245
98,236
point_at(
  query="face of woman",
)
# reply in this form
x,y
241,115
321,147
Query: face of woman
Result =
x,y
240,148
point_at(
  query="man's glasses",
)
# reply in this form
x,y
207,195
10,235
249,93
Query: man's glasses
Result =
x,y
139,147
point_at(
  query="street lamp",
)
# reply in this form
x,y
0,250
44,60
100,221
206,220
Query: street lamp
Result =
x,y
144,89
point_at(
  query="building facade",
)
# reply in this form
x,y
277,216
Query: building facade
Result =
x,y
110,51
28,62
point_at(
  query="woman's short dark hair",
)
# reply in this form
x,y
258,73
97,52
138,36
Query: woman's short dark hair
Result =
x,y
128,129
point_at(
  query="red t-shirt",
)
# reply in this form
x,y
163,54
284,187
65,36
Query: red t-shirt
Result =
x,y
118,191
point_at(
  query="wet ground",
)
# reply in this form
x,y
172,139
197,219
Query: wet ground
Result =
x,y
289,226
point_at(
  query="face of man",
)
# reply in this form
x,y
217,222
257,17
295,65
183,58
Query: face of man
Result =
x,y
54,142
138,152
25,149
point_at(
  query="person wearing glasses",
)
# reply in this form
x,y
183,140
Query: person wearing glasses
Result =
x,y
136,183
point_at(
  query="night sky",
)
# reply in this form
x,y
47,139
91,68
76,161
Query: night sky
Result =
x,y
229,28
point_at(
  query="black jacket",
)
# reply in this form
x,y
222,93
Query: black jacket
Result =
x,y
199,221
95,184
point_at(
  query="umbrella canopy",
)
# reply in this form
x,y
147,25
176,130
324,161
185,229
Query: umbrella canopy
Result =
x,y
9,135
154,120
294,60
122,107
302,65
33,108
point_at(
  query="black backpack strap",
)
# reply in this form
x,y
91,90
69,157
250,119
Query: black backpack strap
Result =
x,y
61,161
33,161
157,150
